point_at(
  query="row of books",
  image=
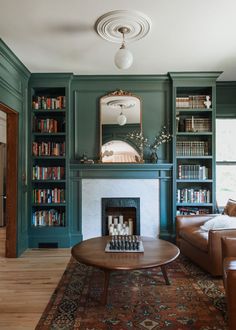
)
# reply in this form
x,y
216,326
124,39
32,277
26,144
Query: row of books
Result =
x,y
192,210
48,196
195,124
48,103
48,148
48,218
192,171
193,195
192,148
191,101
48,173
48,125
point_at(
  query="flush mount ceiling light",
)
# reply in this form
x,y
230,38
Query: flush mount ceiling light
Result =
x,y
123,26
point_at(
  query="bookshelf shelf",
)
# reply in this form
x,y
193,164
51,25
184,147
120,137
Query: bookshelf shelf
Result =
x,y
194,204
48,181
194,157
48,157
49,134
194,102
49,204
48,112
198,111
193,133
194,181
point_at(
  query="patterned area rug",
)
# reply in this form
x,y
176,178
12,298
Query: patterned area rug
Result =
x,y
137,300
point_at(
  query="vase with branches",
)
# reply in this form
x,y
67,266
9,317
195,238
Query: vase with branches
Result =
x,y
142,142
139,141
163,137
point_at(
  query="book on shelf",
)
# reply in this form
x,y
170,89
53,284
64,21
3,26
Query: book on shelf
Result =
x,y
48,125
192,210
192,148
48,196
48,148
48,103
193,195
48,218
192,171
191,101
48,173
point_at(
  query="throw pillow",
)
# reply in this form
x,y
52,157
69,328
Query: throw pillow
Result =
x,y
230,208
222,221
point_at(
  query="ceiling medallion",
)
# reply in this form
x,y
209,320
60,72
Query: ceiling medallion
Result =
x,y
109,25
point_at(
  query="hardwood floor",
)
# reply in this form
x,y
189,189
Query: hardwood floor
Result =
x,y
26,284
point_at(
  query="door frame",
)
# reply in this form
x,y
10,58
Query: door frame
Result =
x,y
12,180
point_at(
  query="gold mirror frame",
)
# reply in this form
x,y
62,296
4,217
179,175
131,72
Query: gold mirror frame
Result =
x,y
115,145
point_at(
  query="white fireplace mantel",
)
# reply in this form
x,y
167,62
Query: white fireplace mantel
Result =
x,y
150,182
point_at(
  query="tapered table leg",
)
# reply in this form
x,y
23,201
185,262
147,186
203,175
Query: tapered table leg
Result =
x,y
164,273
106,284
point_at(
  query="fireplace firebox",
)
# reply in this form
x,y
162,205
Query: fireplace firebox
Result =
x,y
120,216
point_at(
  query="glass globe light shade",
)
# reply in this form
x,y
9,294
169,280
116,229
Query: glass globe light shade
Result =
x,y
121,119
123,58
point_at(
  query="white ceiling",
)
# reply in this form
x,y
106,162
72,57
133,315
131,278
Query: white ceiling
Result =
x,y
59,36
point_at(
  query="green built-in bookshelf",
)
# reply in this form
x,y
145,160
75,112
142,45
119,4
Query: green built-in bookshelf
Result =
x,y
48,220
194,106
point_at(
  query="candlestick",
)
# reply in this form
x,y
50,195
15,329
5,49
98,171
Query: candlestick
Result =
x,y
109,220
130,226
121,218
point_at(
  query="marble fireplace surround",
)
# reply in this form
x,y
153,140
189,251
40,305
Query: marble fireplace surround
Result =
x,y
149,182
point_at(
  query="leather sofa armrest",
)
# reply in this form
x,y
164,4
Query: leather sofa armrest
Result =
x,y
183,221
228,246
230,296
214,241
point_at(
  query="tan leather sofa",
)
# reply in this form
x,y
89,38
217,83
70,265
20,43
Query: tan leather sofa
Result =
x,y
203,248
229,277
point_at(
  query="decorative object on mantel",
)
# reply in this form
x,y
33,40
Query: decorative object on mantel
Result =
x,y
163,137
85,160
123,26
140,141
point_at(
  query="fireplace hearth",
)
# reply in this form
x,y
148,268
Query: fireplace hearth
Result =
x,y
120,216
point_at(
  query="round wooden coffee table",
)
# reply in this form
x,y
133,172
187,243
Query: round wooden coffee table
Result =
x,y
157,253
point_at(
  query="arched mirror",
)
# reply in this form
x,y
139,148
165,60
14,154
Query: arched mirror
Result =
x,y
120,115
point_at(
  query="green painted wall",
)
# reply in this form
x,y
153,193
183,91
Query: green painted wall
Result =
x,y
226,99
86,92
14,78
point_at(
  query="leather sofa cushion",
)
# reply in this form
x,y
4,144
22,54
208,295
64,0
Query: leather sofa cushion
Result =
x,y
230,208
222,221
195,236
